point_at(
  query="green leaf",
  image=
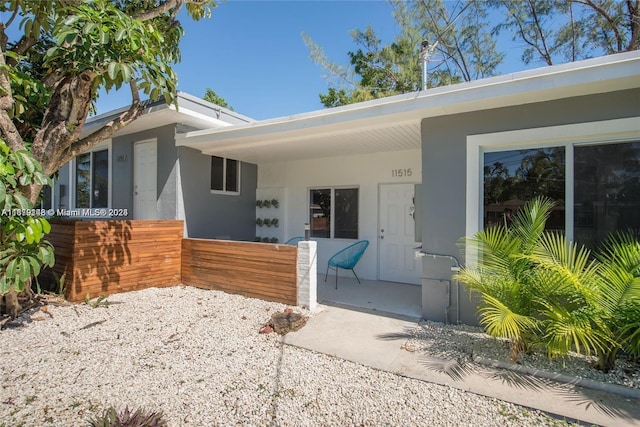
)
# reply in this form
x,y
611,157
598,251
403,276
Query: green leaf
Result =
x,y
7,169
89,26
113,69
25,270
104,36
18,161
22,202
3,194
35,266
46,226
127,72
12,268
29,234
120,34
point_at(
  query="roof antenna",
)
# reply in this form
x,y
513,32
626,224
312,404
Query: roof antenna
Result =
x,y
425,52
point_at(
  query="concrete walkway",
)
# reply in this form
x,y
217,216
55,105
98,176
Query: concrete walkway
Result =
x,y
376,341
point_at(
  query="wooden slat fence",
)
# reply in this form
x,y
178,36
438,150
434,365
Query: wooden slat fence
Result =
x,y
105,257
256,270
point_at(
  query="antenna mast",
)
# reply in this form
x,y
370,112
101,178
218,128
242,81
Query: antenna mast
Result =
x,y
425,52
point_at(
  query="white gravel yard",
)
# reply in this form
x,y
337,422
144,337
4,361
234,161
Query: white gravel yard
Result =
x,y
197,356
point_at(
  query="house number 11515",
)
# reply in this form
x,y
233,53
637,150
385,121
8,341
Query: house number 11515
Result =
x,y
399,173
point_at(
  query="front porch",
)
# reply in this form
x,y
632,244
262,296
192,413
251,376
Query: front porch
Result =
x,y
400,300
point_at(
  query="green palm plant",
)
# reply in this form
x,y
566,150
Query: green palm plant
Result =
x,y
505,278
538,288
619,301
568,297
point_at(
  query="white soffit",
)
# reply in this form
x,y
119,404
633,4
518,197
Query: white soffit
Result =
x,y
391,124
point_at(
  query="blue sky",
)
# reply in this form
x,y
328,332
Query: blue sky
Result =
x,y
252,53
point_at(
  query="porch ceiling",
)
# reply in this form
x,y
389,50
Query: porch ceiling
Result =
x,y
323,142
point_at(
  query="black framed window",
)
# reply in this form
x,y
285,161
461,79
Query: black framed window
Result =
x,y
225,175
604,187
92,179
333,212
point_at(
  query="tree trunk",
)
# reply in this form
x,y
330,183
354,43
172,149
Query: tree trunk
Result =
x,y
607,360
61,125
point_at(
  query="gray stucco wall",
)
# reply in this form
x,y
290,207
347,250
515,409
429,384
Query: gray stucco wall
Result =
x,y
444,177
123,164
216,215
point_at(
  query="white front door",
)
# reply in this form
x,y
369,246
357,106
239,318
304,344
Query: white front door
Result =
x,y
144,180
396,236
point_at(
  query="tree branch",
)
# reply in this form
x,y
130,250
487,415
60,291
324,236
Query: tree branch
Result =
x,y
25,43
10,132
545,53
147,15
164,8
105,132
634,23
607,18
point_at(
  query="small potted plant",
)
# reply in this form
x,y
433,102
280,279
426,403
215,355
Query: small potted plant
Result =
x,y
259,222
266,203
275,203
259,203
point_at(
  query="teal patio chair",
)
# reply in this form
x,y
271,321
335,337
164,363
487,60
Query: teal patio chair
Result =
x,y
347,259
294,241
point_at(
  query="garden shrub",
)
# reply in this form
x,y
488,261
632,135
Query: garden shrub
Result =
x,y
539,289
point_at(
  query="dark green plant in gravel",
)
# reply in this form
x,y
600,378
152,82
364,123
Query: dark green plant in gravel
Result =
x,y
503,276
620,296
127,418
537,288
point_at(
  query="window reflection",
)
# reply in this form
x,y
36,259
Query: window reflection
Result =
x,y
512,178
320,212
606,191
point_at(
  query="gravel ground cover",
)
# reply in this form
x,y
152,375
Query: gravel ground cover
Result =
x,y
197,356
465,344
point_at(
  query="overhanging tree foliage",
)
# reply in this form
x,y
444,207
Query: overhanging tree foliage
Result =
x,y
56,55
462,37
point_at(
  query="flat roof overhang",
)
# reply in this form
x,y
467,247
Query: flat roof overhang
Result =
x,y
393,123
192,112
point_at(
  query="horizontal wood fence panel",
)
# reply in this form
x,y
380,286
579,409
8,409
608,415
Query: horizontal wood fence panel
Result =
x,y
105,257
255,270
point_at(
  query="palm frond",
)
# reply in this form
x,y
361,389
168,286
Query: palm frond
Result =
x,y
500,321
623,250
572,330
569,265
529,222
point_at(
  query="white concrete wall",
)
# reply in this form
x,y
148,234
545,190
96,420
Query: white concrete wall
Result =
x,y
291,180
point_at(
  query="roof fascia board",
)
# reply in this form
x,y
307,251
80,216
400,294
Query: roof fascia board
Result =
x,y
187,106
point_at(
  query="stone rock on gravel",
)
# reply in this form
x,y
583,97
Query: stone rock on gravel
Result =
x,y
282,323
